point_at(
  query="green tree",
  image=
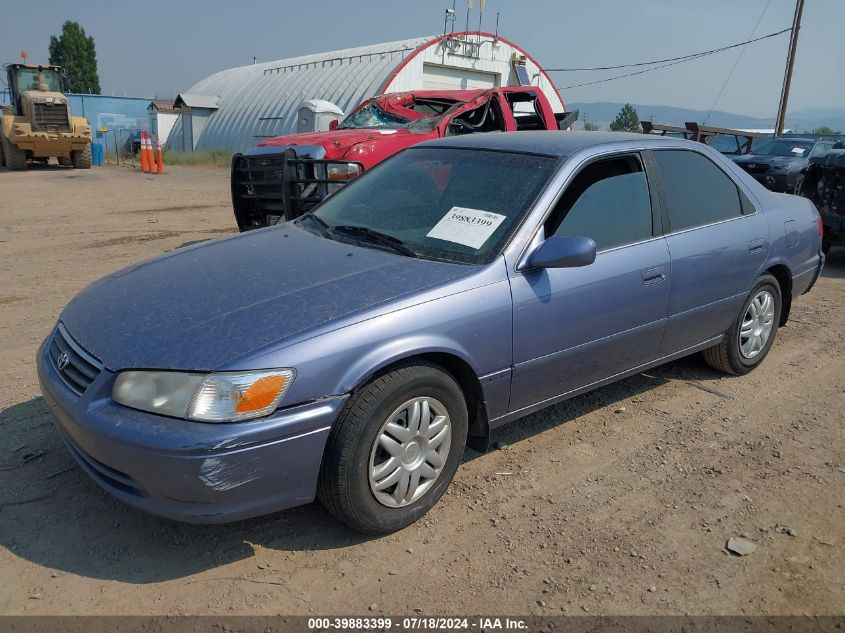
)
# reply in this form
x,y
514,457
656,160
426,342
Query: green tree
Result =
x,y
824,131
74,51
627,120
589,126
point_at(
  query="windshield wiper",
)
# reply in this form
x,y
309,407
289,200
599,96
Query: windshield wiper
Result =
x,y
322,226
376,236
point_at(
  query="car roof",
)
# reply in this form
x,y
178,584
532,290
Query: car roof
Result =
x,y
552,143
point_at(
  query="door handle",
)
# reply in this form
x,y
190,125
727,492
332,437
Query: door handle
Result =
x,y
755,246
653,275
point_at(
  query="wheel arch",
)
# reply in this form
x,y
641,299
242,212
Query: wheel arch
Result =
x,y
783,275
460,369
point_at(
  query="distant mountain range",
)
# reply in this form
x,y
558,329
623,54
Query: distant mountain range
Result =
x,y
603,112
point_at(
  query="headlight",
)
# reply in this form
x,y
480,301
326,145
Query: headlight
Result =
x,y
341,172
221,397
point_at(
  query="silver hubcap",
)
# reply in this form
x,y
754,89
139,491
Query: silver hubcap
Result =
x,y
410,452
757,324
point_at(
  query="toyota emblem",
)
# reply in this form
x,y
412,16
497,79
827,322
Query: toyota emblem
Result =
x,y
752,165
62,361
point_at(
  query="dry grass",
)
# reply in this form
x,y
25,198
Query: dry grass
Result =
x,y
216,158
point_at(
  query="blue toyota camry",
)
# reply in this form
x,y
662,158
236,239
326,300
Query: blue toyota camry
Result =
x,y
351,354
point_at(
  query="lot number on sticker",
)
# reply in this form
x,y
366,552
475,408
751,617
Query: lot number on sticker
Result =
x,y
470,227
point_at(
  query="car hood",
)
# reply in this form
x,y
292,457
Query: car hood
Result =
x,y
767,160
202,306
336,142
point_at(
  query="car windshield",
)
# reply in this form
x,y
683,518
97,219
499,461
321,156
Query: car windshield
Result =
x,y
372,116
784,147
28,79
445,204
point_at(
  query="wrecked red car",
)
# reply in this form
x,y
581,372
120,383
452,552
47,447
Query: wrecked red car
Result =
x,y
285,176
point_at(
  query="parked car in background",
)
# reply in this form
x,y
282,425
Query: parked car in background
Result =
x,y
464,283
780,163
287,175
824,184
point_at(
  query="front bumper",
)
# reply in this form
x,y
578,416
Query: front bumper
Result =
x,y
834,228
776,181
51,143
190,471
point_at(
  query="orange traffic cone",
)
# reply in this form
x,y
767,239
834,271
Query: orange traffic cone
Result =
x,y
145,165
151,155
159,157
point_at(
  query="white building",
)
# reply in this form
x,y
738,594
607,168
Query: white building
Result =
x,y
163,116
262,100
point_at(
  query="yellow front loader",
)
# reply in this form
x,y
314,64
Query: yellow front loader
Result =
x,y
38,124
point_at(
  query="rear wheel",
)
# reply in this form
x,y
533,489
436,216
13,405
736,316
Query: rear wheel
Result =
x,y
2,156
394,450
65,162
15,157
81,158
753,332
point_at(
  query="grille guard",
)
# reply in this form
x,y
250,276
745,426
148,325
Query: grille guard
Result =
x,y
299,184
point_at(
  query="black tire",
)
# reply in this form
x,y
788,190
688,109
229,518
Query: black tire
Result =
x,y
799,185
344,485
2,156
65,162
81,158
727,355
15,157
826,245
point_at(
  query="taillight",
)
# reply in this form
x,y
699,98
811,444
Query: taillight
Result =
x,y
821,227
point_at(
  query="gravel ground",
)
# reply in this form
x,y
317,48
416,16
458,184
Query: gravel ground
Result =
x,y
617,502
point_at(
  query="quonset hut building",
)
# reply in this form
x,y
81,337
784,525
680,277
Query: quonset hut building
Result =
x,y
265,100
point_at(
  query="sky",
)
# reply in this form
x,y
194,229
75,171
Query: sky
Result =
x,y
160,48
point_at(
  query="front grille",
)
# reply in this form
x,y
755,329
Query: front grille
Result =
x,y
50,115
77,368
755,168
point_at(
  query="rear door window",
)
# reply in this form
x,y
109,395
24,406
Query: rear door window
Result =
x,y
697,191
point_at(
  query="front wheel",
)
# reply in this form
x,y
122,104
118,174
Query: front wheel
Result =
x,y
15,157
81,158
753,332
394,449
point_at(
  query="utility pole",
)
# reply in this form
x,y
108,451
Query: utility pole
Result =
x,y
790,62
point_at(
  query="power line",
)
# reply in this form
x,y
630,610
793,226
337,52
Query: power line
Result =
x,y
669,59
680,60
736,63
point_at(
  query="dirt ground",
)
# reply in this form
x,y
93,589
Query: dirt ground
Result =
x,y
617,502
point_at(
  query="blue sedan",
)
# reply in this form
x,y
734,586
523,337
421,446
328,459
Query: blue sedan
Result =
x,y
352,354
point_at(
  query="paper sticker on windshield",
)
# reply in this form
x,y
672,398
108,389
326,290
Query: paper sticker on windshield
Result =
x,y
469,227
799,150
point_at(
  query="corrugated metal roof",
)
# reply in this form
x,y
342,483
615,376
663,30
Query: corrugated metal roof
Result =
x,y
260,100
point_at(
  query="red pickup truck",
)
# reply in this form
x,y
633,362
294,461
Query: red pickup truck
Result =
x,y
287,175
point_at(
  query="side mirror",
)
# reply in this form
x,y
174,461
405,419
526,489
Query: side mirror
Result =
x,y
566,119
563,251
333,124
